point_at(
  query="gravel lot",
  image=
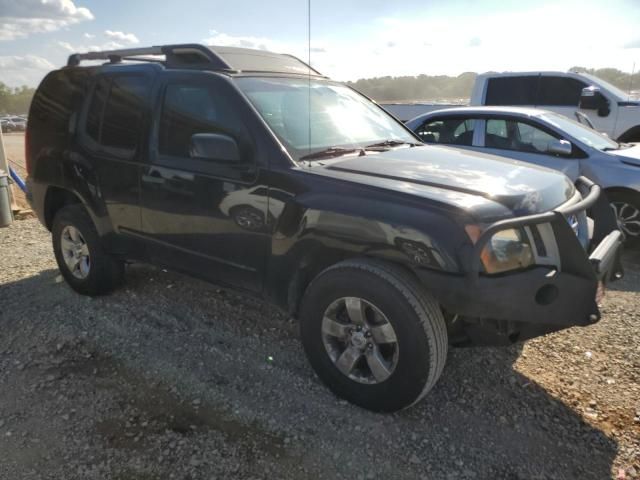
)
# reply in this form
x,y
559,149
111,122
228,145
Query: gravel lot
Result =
x,y
170,377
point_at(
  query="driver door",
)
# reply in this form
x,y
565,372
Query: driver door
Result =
x,y
201,215
526,142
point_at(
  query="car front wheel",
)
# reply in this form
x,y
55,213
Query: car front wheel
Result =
x,y
627,209
373,335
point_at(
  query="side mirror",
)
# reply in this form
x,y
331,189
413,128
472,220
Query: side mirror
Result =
x,y
214,146
591,98
560,147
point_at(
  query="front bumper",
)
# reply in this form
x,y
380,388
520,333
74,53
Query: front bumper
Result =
x,y
549,297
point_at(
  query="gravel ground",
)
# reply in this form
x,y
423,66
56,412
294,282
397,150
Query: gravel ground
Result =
x,y
172,378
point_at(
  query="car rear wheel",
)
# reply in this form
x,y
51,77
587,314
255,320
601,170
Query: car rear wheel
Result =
x,y
373,335
82,261
627,210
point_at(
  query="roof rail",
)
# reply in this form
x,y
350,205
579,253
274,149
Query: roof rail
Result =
x,y
180,55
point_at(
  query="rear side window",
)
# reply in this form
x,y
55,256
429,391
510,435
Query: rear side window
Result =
x,y
122,119
115,115
449,131
512,90
560,91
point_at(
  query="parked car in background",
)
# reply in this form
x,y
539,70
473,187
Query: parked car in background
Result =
x,y
609,109
252,170
548,139
7,125
13,124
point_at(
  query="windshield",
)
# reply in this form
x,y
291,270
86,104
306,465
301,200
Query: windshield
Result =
x,y
584,134
312,116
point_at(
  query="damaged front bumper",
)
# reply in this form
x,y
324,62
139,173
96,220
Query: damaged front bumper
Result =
x,y
543,298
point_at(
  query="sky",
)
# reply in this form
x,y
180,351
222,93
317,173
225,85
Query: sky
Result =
x,y
350,39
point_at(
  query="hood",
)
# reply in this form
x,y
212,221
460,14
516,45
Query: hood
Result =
x,y
629,155
477,182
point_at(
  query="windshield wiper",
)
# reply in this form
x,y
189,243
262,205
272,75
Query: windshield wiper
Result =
x,y
391,143
331,152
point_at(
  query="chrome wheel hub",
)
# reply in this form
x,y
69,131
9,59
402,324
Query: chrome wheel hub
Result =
x,y
360,340
628,217
75,252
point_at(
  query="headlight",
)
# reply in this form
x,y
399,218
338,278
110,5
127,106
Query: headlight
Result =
x,y
506,250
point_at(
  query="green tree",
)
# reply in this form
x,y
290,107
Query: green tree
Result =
x,y
15,100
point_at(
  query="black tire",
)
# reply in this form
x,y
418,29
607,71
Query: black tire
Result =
x,y
412,312
105,272
631,232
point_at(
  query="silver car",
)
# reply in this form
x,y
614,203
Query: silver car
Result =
x,y
548,139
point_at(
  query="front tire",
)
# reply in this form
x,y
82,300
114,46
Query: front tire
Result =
x,y
627,210
82,261
373,335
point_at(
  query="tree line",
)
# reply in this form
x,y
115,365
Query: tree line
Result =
x,y
15,101
383,89
458,88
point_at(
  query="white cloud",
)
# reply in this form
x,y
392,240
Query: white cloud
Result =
x,y
259,43
128,38
23,70
114,41
78,48
19,19
300,50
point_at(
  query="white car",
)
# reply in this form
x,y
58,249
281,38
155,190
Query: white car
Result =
x,y
548,139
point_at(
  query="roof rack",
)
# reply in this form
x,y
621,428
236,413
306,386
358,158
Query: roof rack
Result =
x,y
181,55
196,56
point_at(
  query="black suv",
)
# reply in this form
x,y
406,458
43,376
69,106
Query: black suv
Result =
x,y
252,170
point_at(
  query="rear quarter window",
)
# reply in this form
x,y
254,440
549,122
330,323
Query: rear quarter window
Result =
x,y
57,99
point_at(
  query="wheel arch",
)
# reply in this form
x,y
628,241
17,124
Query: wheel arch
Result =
x,y
622,190
55,199
631,135
316,264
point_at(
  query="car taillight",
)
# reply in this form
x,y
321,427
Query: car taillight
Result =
x,y
27,158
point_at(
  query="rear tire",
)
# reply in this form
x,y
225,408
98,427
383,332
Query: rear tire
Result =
x,y
82,261
412,350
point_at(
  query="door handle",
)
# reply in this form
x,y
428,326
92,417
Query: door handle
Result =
x,y
153,179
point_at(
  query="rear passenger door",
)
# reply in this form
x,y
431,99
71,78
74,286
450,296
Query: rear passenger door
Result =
x,y
116,121
204,216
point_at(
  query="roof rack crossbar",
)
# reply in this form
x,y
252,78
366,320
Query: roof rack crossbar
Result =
x,y
181,54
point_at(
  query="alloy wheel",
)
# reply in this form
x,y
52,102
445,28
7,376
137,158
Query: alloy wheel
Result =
x,y
628,217
75,252
360,340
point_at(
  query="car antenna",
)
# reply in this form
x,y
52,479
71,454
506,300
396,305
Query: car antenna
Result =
x,y
633,70
309,163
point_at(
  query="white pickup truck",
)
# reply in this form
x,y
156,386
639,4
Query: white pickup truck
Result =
x,y
576,95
